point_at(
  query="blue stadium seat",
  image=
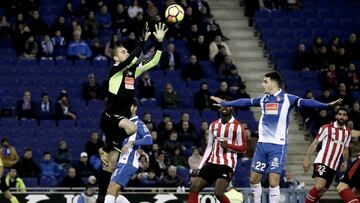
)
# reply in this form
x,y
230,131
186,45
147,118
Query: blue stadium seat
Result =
x,y
30,182
185,174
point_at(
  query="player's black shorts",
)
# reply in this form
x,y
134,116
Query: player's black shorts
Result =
x,y
322,171
110,126
211,172
3,186
352,175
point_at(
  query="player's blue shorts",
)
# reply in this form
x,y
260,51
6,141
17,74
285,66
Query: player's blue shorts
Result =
x,y
123,173
269,158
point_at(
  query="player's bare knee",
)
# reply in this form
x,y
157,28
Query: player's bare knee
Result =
x,y
254,180
195,187
341,187
321,187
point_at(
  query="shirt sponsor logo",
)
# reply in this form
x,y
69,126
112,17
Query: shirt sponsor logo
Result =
x,y
129,83
271,108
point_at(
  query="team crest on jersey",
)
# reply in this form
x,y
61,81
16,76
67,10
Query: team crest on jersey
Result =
x,y
278,98
271,108
275,163
129,83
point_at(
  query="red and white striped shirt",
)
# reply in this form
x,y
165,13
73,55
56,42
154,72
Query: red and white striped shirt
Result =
x,y
334,139
234,134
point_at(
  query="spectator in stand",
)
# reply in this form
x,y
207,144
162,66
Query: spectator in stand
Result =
x,y
344,94
165,134
317,45
353,77
8,154
352,47
307,113
354,115
25,107
203,128
91,89
88,196
37,25
220,57
187,136
178,159
241,93
47,48
26,166
78,48
45,108
342,59
82,9
147,120
31,49
150,180
160,165
321,61
146,87
193,34
165,120
120,19
104,17
48,168
63,108
59,45
319,120
188,20
63,156
214,47
170,59
62,27
169,98
171,143
18,21
225,67
171,179
326,96
21,34
334,44
97,51
202,98
83,168
91,26
330,78
5,28
14,182
233,79
193,70
194,159
200,48
134,9
93,145
185,116
137,24
71,180
130,43
223,90
302,59
111,44
151,10
69,11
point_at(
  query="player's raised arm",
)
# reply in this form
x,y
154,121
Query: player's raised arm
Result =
x,y
243,102
160,31
311,103
133,57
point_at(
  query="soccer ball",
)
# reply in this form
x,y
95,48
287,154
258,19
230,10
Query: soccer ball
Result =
x,y
174,13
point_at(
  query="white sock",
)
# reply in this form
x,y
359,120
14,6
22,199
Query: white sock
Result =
x,y
109,199
274,194
122,199
256,191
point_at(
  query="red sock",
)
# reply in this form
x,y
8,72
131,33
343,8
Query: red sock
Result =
x,y
193,197
224,199
348,196
312,196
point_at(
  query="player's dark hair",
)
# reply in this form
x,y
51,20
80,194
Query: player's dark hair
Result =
x,y
342,109
275,76
113,51
27,149
4,140
44,94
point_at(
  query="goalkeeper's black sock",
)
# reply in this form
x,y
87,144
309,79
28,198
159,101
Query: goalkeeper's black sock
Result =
x,y
104,180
